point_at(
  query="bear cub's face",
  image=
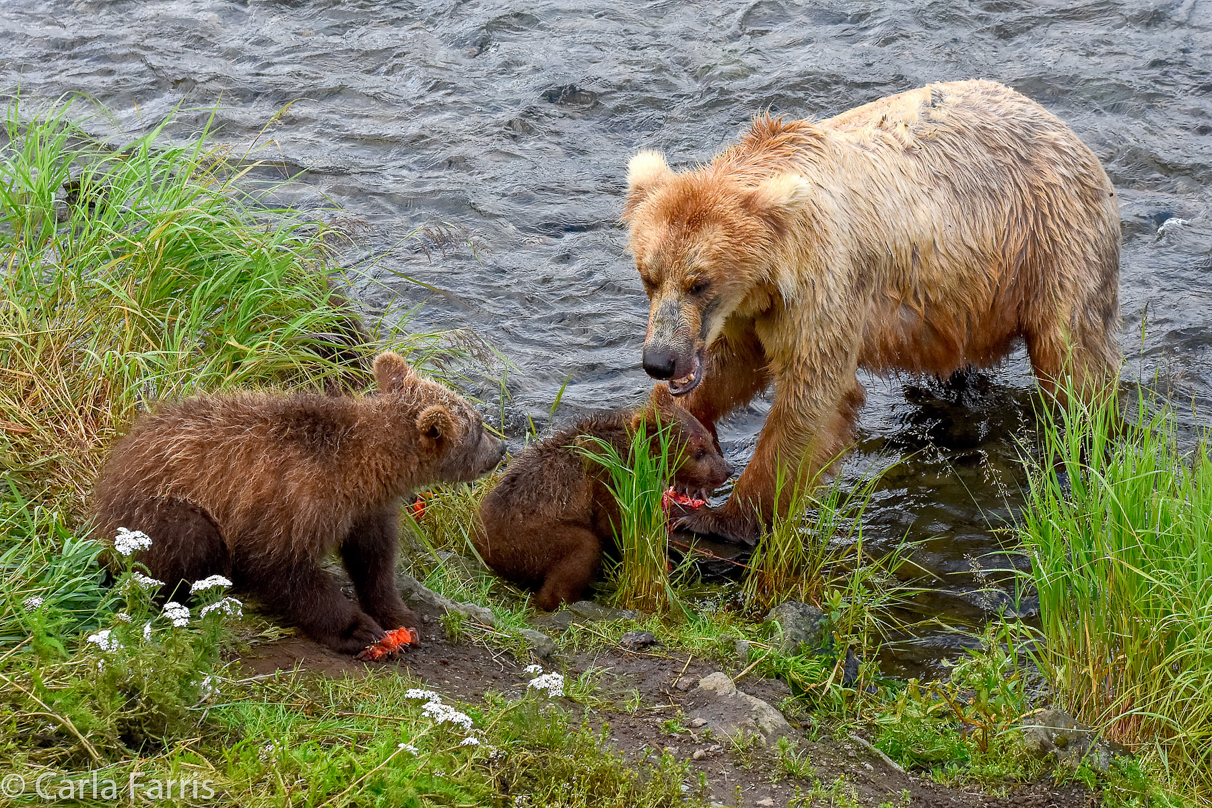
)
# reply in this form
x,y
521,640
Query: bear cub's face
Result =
x,y
702,469
452,443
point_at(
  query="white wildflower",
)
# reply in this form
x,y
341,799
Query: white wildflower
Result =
x,y
422,695
178,614
534,669
207,583
33,603
267,749
104,641
407,747
553,683
469,741
445,714
145,581
227,606
130,541
147,631
209,687
123,616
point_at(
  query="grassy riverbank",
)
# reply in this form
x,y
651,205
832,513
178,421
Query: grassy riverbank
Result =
x,y
1120,542
143,272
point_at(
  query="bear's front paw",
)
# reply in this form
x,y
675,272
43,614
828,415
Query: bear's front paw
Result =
x,y
721,524
362,631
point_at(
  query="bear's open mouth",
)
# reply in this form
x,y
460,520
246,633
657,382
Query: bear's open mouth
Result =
x,y
682,386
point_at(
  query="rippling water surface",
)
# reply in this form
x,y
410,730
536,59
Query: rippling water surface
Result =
x,y
504,129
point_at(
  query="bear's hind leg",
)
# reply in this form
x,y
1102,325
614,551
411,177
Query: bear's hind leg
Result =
x,y
568,578
186,545
310,598
369,554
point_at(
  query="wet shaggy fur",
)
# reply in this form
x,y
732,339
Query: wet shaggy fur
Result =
x,y
260,487
546,523
924,232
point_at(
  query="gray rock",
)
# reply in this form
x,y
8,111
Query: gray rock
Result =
x,y
742,651
800,626
1056,733
730,713
429,603
596,612
541,645
583,611
638,640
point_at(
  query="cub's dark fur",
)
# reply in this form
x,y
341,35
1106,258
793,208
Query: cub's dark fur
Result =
x,y
546,523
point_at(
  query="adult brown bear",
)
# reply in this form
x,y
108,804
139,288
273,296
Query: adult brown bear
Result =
x,y
260,487
926,232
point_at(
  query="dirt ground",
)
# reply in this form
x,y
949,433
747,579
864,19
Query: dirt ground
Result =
x,y
664,682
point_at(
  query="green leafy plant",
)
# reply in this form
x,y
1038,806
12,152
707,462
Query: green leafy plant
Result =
x,y
639,480
1118,527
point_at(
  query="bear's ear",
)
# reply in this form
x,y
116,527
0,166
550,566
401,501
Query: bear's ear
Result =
x,y
435,423
646,172
776,200
391,372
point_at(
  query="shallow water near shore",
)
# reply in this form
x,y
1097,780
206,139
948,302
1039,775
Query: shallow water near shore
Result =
x,y
503,132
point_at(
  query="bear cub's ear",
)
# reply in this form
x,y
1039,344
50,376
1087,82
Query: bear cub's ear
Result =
x,y
391,372
435,423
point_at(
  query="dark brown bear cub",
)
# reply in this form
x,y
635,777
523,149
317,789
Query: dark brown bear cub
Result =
x,y
546,523
261,487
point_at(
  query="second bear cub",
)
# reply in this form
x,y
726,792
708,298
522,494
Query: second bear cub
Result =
x,y
260,487
546,523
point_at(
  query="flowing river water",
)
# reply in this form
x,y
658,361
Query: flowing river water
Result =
x,y
502,131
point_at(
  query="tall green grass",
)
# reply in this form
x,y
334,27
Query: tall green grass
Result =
x,y
1118,525
133,274
800,553
639,480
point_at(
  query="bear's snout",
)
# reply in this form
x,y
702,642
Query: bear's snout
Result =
x,y
660,361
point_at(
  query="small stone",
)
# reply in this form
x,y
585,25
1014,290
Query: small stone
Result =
x,y
695,723
595,612
742,651
699,754
638,640
800,626
540,644
765,803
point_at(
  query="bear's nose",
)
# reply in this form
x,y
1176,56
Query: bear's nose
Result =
x,y
659,362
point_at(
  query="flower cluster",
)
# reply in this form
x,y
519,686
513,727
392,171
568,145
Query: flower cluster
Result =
x,y
177,613
228,606
33,603
445,714
145,581
131,541
208,583
104,641
553,683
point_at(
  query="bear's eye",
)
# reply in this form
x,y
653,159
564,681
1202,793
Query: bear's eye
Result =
x,y
700,286
700,454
